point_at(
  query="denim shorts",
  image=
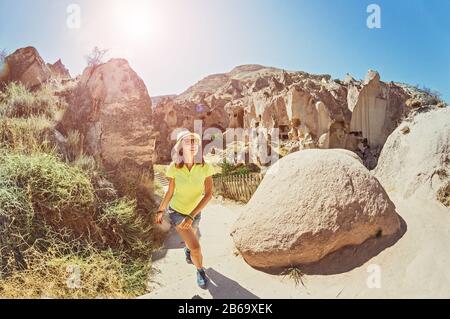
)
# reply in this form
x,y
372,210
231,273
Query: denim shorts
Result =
x,y
176,218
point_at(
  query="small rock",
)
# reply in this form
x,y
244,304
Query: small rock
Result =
x,y
405,129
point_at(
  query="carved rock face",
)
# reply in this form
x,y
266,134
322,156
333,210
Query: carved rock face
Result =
x,y
351,114
376,110
172,114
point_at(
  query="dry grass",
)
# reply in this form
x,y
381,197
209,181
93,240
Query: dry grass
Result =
x,y
17,101
59,213
296,274
26,135
413,103
52,215
71,270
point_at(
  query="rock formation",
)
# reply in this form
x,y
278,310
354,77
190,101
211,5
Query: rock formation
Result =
x,y
310,111
297,217
27,67
416,158
376,109
112,111
170,114
59,70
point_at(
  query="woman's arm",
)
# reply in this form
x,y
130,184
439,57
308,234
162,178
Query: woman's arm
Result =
x,y
165,202
168,195
206,198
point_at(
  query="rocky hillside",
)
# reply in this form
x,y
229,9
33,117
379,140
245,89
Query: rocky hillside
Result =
x,y
76,180
108,113
77,155
311,111
157,99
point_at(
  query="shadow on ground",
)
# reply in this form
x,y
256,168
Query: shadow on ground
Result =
x,y
348,258
172,241
222,287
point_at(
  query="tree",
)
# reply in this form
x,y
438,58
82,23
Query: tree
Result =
x,y
3,55
96,57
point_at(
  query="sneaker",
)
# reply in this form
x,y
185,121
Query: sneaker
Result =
x,y
202,280
187,252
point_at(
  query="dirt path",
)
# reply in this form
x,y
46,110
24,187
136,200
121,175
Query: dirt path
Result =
x,y
416,266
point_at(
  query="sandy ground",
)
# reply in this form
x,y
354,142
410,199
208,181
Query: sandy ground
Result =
x,y
414,265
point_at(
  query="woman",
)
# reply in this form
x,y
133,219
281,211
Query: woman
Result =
x,y
190,189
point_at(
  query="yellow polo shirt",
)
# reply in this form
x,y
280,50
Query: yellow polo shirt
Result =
x,y
189,186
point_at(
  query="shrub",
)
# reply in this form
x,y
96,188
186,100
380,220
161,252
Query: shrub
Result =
x,y
126,229
86,163
27,135
239,169
226,167
413,103
51,185
73,147
63,196
53,214
38,192
18,101
242,171
69,270
96,57
59,210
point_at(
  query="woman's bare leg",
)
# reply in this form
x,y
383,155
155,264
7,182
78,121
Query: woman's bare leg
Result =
x,y
190,238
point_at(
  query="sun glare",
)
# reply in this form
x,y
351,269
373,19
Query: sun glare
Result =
x,y
137,19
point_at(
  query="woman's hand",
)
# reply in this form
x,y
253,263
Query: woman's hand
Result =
x,y
159,217
186,223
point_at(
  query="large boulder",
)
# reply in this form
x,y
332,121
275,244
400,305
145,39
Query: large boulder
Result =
x,y
112,111
309,204
416,157
27,67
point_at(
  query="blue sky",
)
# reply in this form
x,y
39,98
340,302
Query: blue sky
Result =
x,y
186,40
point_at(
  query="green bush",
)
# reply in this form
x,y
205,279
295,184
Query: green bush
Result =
x,y
38,192
50,193
227,168
130,231
51,185
239,169
54,273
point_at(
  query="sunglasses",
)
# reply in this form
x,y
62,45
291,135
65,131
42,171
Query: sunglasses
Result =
x,y
191,141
